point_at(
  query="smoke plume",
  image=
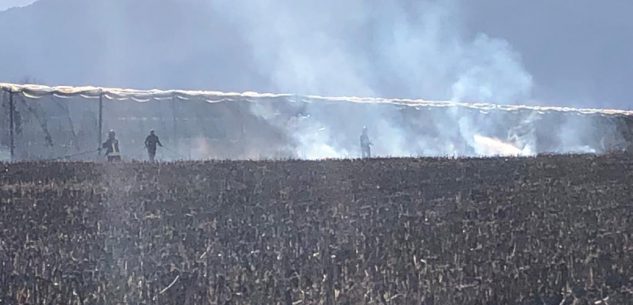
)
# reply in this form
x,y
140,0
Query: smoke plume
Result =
x,y
352,48
339,48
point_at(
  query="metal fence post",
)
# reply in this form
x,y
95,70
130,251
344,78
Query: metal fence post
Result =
x,y
175,139
100,121
11,124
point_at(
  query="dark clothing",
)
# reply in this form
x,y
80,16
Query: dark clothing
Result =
x,y
365,146
150,143
111,146
112,149
366,152
114,158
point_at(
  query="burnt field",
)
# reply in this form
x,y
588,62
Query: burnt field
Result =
x,y
545,230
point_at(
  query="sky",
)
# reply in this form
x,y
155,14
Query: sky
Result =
x,y
6,4
577,50
571,53
538,52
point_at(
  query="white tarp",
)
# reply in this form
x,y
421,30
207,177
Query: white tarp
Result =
x,y
63,121
39,91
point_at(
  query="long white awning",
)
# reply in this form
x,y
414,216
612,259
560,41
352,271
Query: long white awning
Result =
x,y
120,94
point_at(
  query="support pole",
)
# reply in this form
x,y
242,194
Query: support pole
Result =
x,y
174,132
12,124
100,121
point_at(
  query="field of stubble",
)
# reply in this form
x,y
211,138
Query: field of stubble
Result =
x,y
545,230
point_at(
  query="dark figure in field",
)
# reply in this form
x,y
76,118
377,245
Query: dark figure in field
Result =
x,y
150,143
365,144
111,145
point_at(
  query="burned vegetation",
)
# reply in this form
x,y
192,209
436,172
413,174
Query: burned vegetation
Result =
x,y
545,230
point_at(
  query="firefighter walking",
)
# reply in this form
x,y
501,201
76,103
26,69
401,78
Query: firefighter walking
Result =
x,y
365,144
150,144
111,145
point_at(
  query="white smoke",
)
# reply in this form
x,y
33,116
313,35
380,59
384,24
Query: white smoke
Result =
x,y
491,71
416,48
314,140
355,47
362,48
487,146
7,4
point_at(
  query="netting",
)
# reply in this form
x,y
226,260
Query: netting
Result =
x,y
51,124
71,123
5,127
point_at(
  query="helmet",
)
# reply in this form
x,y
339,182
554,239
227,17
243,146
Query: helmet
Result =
x,y
151,131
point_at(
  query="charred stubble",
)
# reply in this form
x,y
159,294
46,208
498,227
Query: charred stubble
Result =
x,y
546,230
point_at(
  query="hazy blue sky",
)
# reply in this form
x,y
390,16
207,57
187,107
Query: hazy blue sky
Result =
x,y
5,4
539,51
579,50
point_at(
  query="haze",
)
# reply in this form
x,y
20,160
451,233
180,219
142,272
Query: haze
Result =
x,y
573,53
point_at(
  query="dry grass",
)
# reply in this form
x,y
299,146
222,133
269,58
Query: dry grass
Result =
x,y
545,230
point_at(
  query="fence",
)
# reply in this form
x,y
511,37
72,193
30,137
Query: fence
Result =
x,y
43,123
71,123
